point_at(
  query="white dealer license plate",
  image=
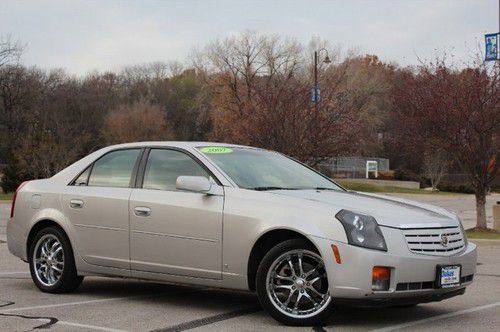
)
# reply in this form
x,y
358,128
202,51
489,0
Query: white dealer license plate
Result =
x,y
449,275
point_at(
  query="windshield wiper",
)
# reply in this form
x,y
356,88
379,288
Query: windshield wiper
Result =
x,y
324,188
283,188
270,188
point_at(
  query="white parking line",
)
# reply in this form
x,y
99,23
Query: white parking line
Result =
x,y
90,327
438,317
56,305
46,306
13,272
86,326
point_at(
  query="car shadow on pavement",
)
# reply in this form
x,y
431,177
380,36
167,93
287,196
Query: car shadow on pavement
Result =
x,y
202,299
145,292
350,316
210,305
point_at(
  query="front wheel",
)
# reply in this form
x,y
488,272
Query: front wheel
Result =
x,y
51,261
292,284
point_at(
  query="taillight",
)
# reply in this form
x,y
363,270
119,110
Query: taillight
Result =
x,y
14,198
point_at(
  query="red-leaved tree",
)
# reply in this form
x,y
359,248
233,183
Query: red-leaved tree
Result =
x,y
459,111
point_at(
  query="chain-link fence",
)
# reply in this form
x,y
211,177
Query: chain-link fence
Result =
x,y
351,167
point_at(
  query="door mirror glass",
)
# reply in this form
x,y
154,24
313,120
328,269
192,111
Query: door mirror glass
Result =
x,y
193,183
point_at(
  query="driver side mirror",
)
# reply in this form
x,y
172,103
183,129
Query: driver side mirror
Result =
x,y
197,184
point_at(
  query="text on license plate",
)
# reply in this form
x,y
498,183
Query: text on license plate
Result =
x,y
450,276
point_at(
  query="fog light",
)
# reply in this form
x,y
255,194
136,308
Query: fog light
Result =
x,y
381,278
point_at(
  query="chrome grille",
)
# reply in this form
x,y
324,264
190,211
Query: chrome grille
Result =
x,y
434,241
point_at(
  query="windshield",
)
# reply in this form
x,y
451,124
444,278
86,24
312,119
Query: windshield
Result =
x,y
265,170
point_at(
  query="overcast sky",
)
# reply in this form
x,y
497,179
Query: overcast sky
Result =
x,y
106,35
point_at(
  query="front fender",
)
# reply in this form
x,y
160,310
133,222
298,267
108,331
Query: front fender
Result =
x,y
248,215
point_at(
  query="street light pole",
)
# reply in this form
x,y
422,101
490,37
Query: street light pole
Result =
x,y
316,69
316,61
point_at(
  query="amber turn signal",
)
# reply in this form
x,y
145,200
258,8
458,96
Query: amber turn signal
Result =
x,y
381,273
336,253
381,277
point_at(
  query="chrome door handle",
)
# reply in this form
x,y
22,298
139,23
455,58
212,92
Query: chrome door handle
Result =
x,y
76,203
142,211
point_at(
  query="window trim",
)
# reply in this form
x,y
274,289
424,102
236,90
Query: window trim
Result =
x,y
139,181
133,176
73,182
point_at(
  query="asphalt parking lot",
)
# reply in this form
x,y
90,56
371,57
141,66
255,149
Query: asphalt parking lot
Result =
x,y
104,304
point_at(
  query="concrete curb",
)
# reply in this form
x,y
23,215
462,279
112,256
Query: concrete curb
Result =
x,y
382,183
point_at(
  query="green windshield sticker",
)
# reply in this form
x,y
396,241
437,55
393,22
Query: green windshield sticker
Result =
x,y
216,149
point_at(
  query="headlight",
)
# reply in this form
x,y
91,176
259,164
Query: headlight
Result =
x,y
362,230
462,229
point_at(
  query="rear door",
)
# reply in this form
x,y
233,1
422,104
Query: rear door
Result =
x,y
97,205
171,231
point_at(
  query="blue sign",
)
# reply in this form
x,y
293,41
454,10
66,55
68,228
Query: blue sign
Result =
x,y
491,42
315,95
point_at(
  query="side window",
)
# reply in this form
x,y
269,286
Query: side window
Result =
x,y
82,179
114,169
165,166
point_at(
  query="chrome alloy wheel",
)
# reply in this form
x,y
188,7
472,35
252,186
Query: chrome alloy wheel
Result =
x,y
297,284
48,260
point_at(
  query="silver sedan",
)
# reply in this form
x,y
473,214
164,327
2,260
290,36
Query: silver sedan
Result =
x,y
236,217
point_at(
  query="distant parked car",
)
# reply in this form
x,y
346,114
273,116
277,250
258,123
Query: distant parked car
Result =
x,y
236,217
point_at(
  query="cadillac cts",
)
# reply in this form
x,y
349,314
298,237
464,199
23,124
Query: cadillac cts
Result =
x,y
236,217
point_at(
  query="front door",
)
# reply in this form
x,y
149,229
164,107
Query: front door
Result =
x,y
171,231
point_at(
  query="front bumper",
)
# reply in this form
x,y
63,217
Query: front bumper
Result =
x,y
412,275
401,301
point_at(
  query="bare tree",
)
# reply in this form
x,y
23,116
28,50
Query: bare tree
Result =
x,y
140,121
10,51
262,97
46,122
435,163
460,110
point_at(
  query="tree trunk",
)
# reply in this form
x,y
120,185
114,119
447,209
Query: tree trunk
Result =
x,y
481,209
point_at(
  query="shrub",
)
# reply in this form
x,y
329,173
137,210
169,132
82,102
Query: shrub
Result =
x,y
456,187
408,175
386,175
405,175
10,179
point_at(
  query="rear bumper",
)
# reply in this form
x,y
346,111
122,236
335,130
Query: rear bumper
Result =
x,y
412,275
16,240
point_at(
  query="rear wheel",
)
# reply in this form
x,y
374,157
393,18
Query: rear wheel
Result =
x,y
52,263
292,284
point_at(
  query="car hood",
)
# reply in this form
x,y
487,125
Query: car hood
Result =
x,y
388,211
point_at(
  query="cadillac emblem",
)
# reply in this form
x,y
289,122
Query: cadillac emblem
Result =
x,y
444,240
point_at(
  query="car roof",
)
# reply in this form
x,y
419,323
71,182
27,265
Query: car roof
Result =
x,y
68,174
179,144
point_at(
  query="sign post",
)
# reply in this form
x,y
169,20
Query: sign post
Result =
x,y
371,166
315,95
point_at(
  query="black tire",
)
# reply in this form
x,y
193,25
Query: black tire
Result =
x,y
261,279
68,280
